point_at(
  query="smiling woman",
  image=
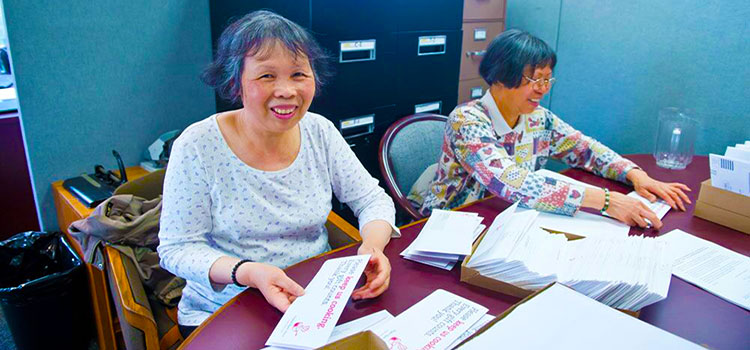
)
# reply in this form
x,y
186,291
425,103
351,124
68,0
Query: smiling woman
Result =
x,y
496,143
248,191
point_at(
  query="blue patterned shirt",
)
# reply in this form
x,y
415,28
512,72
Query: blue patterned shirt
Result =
x,y
216,205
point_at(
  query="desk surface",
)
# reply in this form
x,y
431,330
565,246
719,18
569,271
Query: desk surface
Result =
x,y
247,320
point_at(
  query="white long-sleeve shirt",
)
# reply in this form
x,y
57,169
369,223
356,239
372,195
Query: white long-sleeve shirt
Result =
x,y
216,205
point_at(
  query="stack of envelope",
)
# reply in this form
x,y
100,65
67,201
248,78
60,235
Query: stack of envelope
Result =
x,y
445,238
625,272
732,170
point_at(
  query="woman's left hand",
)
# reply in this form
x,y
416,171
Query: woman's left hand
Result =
x,y
673,193
378,273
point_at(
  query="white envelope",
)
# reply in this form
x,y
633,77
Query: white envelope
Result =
x,y
433,323
309,321
738,152
731,174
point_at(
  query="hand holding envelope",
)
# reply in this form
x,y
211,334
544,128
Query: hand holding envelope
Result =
x,y
378,273
309,321
278,289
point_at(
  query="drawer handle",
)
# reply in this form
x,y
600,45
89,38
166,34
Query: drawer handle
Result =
x,y
475,53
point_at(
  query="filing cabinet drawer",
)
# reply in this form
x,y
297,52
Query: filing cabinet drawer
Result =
x,y
483,10
364,70
471,89
440,103
476,37
427,63
429,15
353,17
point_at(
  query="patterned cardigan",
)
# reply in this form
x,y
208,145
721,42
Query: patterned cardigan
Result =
x,y
481,152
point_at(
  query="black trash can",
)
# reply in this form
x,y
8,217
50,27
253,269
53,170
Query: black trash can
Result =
x,y
43,292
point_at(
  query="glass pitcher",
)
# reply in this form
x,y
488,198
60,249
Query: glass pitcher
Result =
x,y
675,136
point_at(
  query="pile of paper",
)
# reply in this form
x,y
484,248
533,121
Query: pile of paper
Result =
x,y
441,320
445,238
622,272
710,266
560,318
309,322
732,170
436,322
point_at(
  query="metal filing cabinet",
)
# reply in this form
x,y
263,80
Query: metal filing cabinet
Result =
x,y
483,21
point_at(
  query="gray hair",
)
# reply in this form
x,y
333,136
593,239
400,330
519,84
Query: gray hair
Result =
x,y
248,36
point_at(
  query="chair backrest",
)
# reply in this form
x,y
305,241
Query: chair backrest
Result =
x,y
407,148
145,325
148,186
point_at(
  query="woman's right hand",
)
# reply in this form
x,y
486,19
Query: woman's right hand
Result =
x,y
631,211
278,289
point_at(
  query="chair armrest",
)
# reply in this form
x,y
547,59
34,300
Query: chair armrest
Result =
x,y
340,232
130,299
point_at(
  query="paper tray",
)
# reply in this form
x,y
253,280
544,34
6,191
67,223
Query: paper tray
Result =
x,y
723,207
473,277
366,340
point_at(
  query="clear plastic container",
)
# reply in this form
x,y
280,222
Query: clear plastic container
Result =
x,y
675,136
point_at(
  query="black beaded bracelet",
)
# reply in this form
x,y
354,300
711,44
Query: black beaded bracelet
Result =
x,y
234,272
606,201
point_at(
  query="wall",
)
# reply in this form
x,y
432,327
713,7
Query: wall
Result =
x,y
619,62
100,75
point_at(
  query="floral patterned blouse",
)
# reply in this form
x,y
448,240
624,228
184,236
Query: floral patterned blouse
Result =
x,y
481,152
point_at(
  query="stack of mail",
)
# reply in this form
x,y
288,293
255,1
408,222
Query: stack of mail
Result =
x,y
309,322
625,273
732,170
622,272
439,321
445,238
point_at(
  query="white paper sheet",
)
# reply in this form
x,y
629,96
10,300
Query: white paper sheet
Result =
x,y
582,224
659,207
309,321
447,232
710,266
473,329
434,323
729,173
560,318
359,325
445,238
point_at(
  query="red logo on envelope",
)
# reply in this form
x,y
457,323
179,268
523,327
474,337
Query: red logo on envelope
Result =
x,y
299,327
395,344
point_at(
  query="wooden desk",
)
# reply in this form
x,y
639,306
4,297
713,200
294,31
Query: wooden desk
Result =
x,y
70,209
246,321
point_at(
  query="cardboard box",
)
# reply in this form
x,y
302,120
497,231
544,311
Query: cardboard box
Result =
x,y
473,277
366,340
723,207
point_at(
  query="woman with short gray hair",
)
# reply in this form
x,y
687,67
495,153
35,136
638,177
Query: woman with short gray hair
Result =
x,y
247,192
496,143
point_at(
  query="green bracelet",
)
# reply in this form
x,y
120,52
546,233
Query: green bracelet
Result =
x,y
606,200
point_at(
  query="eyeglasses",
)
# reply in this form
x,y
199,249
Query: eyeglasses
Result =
x,y
541,83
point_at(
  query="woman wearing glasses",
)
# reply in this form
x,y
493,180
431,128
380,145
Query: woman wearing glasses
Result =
x,y
497,142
